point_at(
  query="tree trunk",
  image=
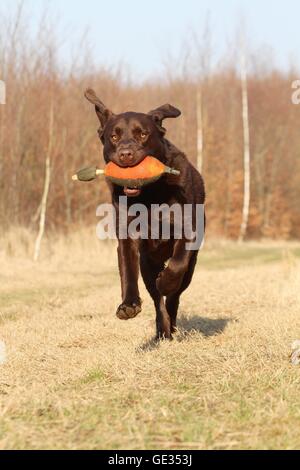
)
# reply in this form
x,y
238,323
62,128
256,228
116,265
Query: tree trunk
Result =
x,y
2,184
245,112
46,189
199,129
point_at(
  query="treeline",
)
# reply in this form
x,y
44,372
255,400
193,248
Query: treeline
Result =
x,y
40,88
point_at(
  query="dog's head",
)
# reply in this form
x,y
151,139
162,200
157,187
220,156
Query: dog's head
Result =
x,y
130,137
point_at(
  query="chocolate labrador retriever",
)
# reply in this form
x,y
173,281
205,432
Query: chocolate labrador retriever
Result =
x,y
166,265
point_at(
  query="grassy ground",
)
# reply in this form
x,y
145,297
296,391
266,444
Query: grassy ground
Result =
x,y
76,377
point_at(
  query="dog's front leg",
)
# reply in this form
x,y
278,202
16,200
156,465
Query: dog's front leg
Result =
x,y
128,257
171,278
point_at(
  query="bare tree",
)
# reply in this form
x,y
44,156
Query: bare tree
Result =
x,y
208,91
199,129
246,133
203,58
44,201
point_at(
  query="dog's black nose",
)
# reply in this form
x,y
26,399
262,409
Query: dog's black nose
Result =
x,y
126,157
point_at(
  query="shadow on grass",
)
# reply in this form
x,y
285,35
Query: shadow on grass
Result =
x,y
207,327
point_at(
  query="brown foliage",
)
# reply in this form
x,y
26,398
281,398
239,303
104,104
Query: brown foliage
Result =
x,y
35,78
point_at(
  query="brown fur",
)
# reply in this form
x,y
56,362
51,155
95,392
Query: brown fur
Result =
x,y
123,140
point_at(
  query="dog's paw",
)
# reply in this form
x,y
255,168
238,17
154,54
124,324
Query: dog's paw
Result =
x,y
168,282
163,335
127,312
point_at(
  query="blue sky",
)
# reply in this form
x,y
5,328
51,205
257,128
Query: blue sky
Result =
x,y
142,33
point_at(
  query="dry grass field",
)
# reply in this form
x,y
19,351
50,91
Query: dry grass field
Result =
x,y
78,378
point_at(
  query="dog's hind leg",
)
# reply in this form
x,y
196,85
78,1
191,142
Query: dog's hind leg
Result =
x,y
150,271
173,300
172,305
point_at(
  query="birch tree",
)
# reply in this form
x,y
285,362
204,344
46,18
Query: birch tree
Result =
x,y
246,134
43,207
199,129
203,58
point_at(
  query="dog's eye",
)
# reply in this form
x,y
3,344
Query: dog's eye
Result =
x,y
114,138
143,135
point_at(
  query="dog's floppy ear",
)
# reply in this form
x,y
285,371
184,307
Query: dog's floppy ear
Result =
x,y
102,111
164,112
